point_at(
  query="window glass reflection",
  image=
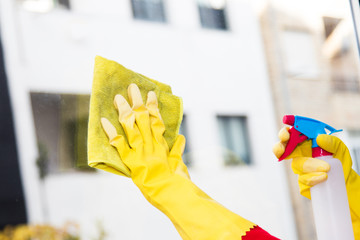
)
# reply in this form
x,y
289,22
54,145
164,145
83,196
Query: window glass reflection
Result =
x,y
150,10
184,130
212,14
61,131
234,139
43,6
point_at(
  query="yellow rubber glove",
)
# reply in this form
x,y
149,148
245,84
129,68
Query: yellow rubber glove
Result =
x,y
312,171
162,176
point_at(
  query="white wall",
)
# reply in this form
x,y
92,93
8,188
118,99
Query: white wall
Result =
x,y
215,72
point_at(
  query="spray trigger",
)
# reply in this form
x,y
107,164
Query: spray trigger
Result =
x,y
305,128
296,138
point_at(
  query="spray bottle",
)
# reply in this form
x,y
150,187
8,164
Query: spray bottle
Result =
x,y
329,199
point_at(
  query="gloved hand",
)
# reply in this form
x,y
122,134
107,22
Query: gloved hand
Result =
x,y
162,176
312,171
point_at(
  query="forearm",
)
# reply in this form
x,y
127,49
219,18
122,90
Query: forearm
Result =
x,y
195,215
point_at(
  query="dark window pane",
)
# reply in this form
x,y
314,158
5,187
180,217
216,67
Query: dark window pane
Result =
x,y
151,10
343,83
212,18
184,131
234,139
330,23
64,3
61,131
12,199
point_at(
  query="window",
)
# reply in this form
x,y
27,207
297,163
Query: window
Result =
x,y
184,131
63,3
330,23
212,14
300,56
338,48
61,131
43,6
234,139
150,10
345,82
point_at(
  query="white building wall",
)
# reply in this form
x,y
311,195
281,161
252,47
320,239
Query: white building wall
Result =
x,y
215,72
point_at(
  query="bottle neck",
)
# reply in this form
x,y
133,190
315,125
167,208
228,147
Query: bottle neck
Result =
x,y
319,152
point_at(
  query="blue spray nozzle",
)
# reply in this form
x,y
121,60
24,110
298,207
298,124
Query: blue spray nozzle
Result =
x,y
306,128
312,128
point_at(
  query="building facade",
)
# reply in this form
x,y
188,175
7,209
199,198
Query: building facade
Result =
x,y
210,53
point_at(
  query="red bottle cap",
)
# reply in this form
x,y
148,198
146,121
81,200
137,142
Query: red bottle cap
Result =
x,y
289,120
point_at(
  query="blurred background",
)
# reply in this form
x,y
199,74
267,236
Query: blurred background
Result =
x,y
239,66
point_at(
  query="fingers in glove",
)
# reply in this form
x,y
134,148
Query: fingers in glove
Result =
x,y
109,129
279,149
338,148
311,179
127,121
141,113
331,143
284,134
115,140
156,122
305,190
302,165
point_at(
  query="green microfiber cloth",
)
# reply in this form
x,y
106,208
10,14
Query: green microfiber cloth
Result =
x,y
111,78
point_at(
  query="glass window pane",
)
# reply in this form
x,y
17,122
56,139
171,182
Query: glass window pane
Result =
x,y
151,10
338,48
212,14
184,131
212,18
234,140
43,6
64,3
61,131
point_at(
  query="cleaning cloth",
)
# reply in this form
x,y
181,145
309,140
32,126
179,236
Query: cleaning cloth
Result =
x,y
110,79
